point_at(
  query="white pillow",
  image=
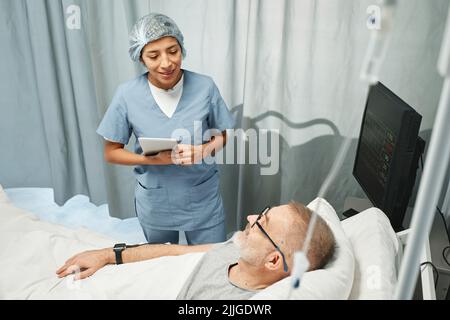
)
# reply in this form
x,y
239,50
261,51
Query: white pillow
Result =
x,y
375,247
334,282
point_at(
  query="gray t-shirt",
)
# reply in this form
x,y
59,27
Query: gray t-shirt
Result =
x,y
209,279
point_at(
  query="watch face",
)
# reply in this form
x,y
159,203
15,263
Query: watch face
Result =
x,y
120,246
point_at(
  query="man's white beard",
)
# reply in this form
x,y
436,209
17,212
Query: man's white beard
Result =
x,y
238,239
250,255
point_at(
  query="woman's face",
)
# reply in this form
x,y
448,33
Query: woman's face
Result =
x,y
163,60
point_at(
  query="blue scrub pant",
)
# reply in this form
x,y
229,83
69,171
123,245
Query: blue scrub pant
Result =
x,y
214,234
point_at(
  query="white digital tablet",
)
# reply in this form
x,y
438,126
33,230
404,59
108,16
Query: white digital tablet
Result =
x,y
153,146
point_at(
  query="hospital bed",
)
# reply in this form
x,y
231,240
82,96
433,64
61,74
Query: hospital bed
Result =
x,y
364,267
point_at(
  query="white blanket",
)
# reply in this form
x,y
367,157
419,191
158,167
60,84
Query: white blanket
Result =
x,y
32,250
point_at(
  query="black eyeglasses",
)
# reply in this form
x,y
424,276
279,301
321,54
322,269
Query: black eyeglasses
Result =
x,y
263,213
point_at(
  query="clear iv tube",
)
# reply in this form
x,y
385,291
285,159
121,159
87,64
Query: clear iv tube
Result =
x,y
337,165
378,44
299,269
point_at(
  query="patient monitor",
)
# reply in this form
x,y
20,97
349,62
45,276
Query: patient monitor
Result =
x,y
388,153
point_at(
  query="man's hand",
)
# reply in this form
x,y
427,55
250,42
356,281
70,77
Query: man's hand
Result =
x,y
87,262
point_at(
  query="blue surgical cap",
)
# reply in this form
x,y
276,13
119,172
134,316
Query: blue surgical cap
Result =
x,y
150,28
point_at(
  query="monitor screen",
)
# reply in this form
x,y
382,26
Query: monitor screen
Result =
x,y
387,154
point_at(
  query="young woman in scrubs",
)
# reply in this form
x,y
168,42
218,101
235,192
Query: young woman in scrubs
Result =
x,y
175,191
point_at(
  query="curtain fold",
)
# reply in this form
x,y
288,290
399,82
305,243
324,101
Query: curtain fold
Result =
x,y
66,101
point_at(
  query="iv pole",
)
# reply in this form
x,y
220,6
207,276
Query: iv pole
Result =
x,y
438,157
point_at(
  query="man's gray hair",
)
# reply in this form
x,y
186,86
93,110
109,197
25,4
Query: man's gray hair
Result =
x,y
323,243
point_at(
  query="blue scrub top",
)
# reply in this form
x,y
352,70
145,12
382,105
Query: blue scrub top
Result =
x,y
171,197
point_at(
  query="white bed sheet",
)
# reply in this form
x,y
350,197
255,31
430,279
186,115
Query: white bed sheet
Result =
x,y
32,250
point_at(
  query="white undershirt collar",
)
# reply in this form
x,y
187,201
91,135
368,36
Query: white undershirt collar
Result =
x,y
168,100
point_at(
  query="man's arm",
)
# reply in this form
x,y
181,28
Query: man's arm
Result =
x,y
152,251
88,262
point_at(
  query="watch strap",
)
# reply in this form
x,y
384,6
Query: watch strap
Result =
x,y
119,248
118,254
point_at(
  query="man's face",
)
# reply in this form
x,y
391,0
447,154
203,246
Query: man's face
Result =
x,y
253,244
163,61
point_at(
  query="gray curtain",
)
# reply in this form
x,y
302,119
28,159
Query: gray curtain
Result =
x,y
52,79
286,65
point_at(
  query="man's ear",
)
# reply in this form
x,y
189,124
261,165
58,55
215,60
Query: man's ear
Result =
x,y
274,261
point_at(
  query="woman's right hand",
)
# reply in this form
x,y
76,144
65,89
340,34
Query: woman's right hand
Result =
x,y
162,158
116,153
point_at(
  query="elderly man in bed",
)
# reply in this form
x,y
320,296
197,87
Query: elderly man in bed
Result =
x,y
252,260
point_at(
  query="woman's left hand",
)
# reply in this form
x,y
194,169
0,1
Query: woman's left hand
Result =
x,y
187,155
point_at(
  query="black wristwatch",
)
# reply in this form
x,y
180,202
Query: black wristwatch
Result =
x,y
118,248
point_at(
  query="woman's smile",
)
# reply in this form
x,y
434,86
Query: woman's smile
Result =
x,y
167,75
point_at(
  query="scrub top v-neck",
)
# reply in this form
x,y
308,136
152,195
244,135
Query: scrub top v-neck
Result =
x,y
171,197
168,100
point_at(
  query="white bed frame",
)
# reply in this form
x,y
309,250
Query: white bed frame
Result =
x,y
426,274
